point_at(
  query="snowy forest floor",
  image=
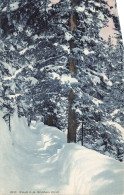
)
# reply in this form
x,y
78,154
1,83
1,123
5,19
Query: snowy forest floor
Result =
x,y
37,160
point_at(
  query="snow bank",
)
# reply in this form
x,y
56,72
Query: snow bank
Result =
x,y
92,173
39,159
7,159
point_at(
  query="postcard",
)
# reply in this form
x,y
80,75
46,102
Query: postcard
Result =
x,y
61,98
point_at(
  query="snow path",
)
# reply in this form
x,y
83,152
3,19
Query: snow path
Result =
x,y
39,159
32,158
40,150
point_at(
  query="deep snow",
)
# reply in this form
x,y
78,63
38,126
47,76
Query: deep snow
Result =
x,y
38,159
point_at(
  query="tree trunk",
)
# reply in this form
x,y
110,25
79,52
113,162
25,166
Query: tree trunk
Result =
x,y
49,121
72,66
29,120
82,139
9,123
72,121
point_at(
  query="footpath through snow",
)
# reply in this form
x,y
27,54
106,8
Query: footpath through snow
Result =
x,y
38,159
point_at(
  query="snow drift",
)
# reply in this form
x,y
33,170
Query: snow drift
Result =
x,y
38,159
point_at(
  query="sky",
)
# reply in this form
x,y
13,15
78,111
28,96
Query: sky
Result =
x,y
54,1
120,6
109,30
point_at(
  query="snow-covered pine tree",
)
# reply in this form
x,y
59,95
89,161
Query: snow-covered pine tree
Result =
x,y
7,87
37,74
94,85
